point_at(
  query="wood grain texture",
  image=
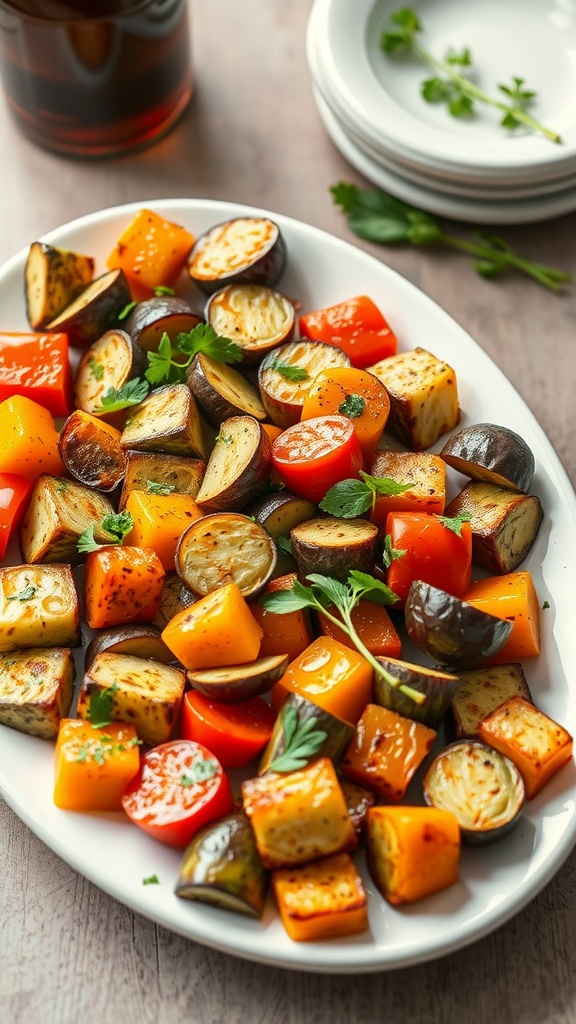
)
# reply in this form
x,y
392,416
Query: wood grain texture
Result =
x,y
69,953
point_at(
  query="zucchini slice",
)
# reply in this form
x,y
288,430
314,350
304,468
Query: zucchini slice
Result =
x,y
91,451
152,318
338,732
238,467
222,548
221,391
452,631
221,866
38,607
486,451
239,682
165,474
256,317
334,546
166,421
53,278
438,686
95,311
36,689
504,524
110,362
481,787
58,512
245,249
286,375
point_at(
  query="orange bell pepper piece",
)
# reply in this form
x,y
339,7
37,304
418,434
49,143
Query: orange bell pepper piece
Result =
x,y
94,764
38,367
122,584
353,393
28,439
385,751
289,633
374,627
218,629
511,597
159,521
321,900
151,252
331,675
412,851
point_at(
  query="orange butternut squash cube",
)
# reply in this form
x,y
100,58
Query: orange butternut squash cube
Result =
x,y
159,522
298,816
412,851
426,475
289,633
331,675
94,765
535,743
151,252
374,627
511,597
218,629
28,439
122,584
385,751
322,900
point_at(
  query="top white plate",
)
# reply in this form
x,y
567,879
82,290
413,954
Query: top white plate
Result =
x,y
532,39
495,882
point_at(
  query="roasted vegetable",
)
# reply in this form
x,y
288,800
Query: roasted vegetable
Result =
x,y
221,391
310,457
504,524
279,512
423,396
480,787
338,733
412,851
353,393
166,421
14,494
38,607
322,900
145,693
91,451
496,454
385,751
36,366
333,547
289,633
122,584
513,598
159,520
162,314
142,640
94,311
239,682
358,801
298,816
373,625
356,326
480,691
58,513
217,630
285,376
161,474
151,252
438,686
451,631
175,597
426,475
108,365
255,316
238,466
333,676
225,547
221,867
245,249
54,278
36,689
423,547
28,439
235,733
94,765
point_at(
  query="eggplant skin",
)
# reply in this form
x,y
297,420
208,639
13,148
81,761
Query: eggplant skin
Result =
x,y
451,630
487,451
439,688
480,786
248,250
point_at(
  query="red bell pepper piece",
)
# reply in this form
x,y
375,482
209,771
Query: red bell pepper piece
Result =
x,y
14,492
36,366
313,455
356,326
235,733
432,551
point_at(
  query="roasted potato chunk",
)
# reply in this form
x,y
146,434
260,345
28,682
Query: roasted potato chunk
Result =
x,y
38,607
36,688
59,511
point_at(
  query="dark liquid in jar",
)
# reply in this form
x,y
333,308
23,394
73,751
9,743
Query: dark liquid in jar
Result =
x,y
95,84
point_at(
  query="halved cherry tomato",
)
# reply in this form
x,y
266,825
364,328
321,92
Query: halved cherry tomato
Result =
x,y
180,786
235,733
432,552
36,366
311,456
356,326
14,491
353,393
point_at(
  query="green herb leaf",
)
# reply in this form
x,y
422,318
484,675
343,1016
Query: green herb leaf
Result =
x,y
96,369
26,594
301,742
151,880
198,772
373,589
154,487
163,289
353,406
285,545
283,601
389,553
455,523
125,312
100,706
289,371
350,498
117,525
133,392
164,368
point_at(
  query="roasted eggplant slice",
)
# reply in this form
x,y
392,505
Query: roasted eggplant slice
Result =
x,y
161,474
225,547
166,421
359,800
245,249
286,375
238,467
221,866
222,392
54,278
338,733
152,318
486,451
239,682
175,598
504,524
58,513
91,451
334,546
438,686
480,691
449,630
280,512
110,362
256,317
481,787
141,639
95,310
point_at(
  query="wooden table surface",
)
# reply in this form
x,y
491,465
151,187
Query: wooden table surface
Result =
x,y
69,953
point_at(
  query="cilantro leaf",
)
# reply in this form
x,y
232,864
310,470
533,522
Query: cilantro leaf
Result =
x,y
289,371
389,553
100,706
301,741
151,880
455,523
163,368
117,525
132,393
351,498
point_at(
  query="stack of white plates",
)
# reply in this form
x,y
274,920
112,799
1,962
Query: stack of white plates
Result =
x,y
468,169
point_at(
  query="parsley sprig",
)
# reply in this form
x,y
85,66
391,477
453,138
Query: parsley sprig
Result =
x,y
351,498
301,741
100,706
379,217
326,593
453,87
116,525
132,393
166,367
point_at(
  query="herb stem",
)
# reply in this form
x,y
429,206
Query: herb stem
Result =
x,y
547,276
